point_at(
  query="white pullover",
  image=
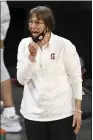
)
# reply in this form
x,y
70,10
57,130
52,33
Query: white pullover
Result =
x,y
50,85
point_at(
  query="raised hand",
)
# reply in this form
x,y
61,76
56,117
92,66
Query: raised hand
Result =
x,y
33,47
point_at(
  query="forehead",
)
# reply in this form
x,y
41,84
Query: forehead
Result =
x,y
35,17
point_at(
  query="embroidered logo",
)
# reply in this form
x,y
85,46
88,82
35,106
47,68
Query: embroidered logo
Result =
x,y
40,37
52,56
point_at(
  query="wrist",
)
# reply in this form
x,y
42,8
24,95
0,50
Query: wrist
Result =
x,y
78,110
77,104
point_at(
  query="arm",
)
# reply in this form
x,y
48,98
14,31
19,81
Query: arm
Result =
x,y
73,67
25,67
77,91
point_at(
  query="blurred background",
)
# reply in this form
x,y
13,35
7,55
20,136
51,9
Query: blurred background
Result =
x,y
73,21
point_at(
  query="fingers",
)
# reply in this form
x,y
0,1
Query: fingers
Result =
x,y
77,124
33,49
33,45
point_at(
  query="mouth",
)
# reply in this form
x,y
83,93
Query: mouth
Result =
x,y
34,33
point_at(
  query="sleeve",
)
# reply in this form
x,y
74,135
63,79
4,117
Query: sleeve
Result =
x,y
73,67
25,68
5,19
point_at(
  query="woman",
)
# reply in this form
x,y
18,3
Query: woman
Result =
x,y
49,68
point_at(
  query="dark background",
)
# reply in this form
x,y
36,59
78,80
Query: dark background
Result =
x,y
73,21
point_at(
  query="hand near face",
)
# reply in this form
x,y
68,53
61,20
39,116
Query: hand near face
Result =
x,y
33,47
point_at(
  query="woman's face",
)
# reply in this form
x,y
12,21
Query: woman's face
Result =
x,y
36,26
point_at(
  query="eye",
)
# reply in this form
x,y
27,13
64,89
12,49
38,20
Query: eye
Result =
x,y
37,22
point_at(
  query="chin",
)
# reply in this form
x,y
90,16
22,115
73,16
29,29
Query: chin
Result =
x,y
35,35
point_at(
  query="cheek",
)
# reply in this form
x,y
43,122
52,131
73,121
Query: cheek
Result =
x,y
41,29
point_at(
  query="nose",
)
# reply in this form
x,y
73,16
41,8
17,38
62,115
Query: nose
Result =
x,y
33,25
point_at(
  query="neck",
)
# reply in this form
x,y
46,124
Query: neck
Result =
x,y
45,40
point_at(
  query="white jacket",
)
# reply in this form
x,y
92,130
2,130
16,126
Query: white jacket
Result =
x,y
50,85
